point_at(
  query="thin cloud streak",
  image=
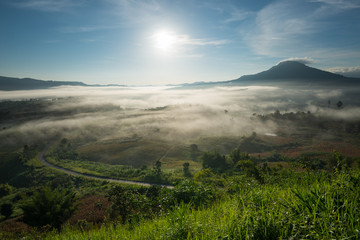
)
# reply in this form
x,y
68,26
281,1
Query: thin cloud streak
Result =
x,y
86,29
187,40
183,45
136,11
238,15
48,5
340,4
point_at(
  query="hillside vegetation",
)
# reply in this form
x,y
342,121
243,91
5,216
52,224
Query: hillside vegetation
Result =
x,y
234,196
224,174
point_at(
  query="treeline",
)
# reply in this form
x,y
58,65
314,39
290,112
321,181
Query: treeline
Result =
x,y
310,119
236,162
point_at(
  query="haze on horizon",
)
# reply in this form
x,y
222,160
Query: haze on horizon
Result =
x,y
137,42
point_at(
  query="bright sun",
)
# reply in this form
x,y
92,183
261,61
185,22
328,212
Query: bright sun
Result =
x,y
164,40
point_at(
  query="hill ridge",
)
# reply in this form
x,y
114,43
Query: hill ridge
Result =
x,y
12,83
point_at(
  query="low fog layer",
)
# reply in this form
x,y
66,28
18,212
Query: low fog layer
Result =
x,y
116,114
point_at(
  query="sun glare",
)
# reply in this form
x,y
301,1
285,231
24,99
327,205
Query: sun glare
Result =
x,y
164,40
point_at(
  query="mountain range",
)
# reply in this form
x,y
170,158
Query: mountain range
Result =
x,y
284,72
10,84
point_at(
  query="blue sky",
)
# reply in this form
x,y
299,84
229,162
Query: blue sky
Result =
x,y
174,41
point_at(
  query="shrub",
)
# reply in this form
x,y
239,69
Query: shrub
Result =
x,y
6,209
5,189
49,207
189,192
125,203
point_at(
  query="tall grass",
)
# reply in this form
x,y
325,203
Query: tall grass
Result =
x,y
299,206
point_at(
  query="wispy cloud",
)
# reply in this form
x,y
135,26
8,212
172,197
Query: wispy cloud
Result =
x,y
182,45
278,26
331,56
84,29
48,5
184,39
238,15
228,10
346,71
187,40
340,4
286,28
136,11
305,60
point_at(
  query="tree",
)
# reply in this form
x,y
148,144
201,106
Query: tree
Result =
x,y
214,160
236,155
124,203
49,207
6,209
157,168
194,152
156,175
25,154
186,166
339,104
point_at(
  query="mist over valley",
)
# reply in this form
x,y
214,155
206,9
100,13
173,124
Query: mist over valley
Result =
x,y
140,125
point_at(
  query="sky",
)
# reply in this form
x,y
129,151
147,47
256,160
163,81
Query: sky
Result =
x,y
141,42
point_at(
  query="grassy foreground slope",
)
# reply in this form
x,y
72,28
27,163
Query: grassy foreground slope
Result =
x,y
293,206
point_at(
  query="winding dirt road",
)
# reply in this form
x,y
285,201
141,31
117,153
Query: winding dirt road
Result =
x,y
73,173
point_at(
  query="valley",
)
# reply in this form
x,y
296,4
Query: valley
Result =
x,y
183,150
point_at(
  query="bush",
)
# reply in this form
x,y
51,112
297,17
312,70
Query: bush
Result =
x,y
5,189
125,203
49,207
6,209
189,192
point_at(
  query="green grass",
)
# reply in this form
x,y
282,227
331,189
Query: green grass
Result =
x,y
325,209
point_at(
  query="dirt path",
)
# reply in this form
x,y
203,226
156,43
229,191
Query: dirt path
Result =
x,y
73,173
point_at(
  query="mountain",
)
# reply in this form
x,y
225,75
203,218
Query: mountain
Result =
x,y
11,84
287,72
292,70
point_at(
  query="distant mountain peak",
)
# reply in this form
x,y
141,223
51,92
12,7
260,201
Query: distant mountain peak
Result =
x,y
292,70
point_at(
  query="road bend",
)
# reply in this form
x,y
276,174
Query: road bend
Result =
x,y
73,173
